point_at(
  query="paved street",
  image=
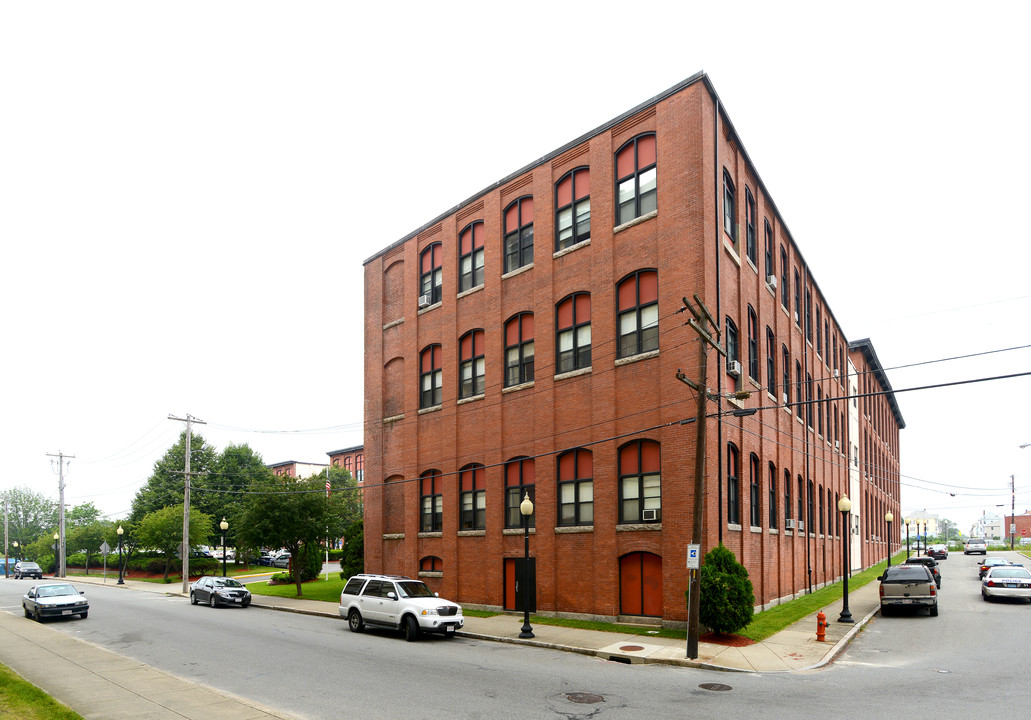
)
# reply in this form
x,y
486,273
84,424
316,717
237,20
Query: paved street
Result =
x,y
305,666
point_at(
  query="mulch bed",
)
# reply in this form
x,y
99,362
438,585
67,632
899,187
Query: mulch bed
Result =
x,y
728,640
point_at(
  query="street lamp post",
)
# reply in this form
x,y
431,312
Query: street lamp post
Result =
x,y
57,555
120,567
526,509
225,526
844,506
907,538
888,517
16,558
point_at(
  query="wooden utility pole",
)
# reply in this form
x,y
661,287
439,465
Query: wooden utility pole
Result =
x,y
184,553
706,327
59,558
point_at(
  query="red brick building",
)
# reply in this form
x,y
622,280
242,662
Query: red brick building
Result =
x,y
351,459
528,342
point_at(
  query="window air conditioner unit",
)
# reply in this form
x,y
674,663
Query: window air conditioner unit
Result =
x,y
784,398
837,373
771,280
734,368
796,317
789,524
649,514
801,526
424,301
837,445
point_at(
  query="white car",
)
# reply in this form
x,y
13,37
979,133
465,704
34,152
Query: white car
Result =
x,y
54,600
1010,581
399,603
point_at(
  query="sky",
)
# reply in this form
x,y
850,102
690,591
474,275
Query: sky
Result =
x,y
188,191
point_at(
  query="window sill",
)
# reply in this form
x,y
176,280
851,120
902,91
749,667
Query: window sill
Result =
x,y
751,264
431,573
731,250
426,411
433,534
637,358
636,221
470,291
394,323
517,388
774,531
573,529
517,271
473,398
740,404
434,306
573,373
471,533
733,526
571,248
517,531
393,536
637,527
756,530
393,419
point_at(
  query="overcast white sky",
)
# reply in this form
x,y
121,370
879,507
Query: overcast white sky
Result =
x,y
188,191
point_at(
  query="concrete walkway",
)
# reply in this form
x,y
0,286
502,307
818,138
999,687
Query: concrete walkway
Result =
x,y
101,684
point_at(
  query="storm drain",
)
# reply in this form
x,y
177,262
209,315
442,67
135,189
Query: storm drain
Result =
x,y
715,687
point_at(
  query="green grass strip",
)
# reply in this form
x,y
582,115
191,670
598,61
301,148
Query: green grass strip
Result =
x,y
21,700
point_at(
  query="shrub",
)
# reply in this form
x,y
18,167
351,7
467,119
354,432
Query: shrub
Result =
x,y
727,601
352,561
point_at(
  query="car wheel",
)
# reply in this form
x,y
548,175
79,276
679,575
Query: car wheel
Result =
x,y
35,614
984,596
885,610
211,600
83,615
193,599
27,613
355,622
245,603
933,610
410,628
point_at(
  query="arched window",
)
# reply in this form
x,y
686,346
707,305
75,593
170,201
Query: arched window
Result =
x,y
430,391
636,189
754,496
472,499
773,496
431,507
640,482
520,481
519,234
573,203
729,209
431,275
638,297
753,344
573,332
733,485
576,488
471,364
750,232
519,350
470,260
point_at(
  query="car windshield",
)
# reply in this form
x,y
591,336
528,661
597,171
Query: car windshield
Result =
x,y
1010,572
28,566
994,561
55,591
227,582
903,573
414,588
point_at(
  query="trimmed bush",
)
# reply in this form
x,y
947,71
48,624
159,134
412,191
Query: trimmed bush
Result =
x,y
727,601
352,561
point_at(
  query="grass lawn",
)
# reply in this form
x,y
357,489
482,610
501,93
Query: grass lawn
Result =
x,y
321,589
21,700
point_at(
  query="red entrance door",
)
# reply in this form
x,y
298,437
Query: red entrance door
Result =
x,y
640,584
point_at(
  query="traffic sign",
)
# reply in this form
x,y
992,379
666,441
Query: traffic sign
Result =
x,y
692,556
105,548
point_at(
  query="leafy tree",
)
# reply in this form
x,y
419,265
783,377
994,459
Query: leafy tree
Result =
x,y
727,601
352,562
87,538
223,492
84,514
293,514
163,530
30,516
166,484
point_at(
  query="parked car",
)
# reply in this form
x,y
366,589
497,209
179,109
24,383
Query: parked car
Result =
x,y
930,563
1006,581
939,552
215,591
990,562
282,560
908,586
399,603
976,546
265,558
24,568
54,600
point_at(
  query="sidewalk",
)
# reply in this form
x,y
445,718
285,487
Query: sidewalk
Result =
x,y
101,684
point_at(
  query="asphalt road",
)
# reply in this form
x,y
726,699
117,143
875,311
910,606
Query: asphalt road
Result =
x,y
315,668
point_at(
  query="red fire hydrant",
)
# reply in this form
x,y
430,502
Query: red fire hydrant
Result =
x,y
821,626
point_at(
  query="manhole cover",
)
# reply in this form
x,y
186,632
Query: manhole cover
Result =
x,y
585,698
631,648
716,687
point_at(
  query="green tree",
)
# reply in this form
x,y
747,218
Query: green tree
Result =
x,y
166,484
163,530
223,492
293,514
87,538
727,601
84,514
30,515
352,562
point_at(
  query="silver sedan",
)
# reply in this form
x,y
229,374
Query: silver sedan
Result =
x,y
54,600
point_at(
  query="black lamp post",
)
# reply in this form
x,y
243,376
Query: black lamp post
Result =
x,y
16,558
225,526
120,531
907,538
844,506
888,517
57,555
526,509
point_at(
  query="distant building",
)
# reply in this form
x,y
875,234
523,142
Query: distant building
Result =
x,y
988,526
351,459
293,468
1022,523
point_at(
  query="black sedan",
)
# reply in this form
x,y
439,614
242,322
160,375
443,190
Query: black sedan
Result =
x,y
24,568
215,590
54,600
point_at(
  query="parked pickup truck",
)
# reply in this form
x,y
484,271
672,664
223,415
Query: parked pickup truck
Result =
x,y
908,586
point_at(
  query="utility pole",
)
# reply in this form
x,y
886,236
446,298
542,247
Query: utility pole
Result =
x,y
1013,509
6,510
184,553
706,327
60,570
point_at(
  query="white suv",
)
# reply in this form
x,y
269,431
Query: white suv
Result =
x,y
975,546
400,603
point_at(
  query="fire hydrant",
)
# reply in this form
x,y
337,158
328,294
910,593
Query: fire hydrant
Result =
x,y
821,626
